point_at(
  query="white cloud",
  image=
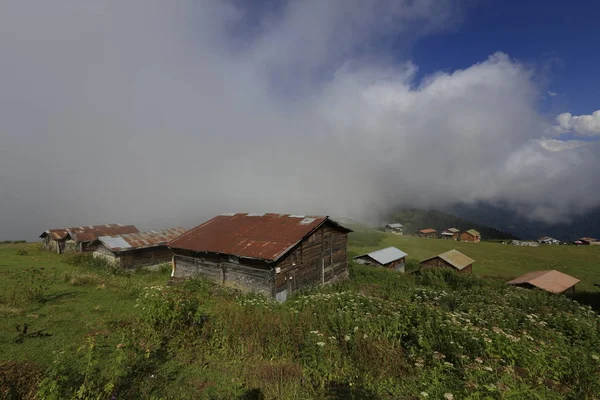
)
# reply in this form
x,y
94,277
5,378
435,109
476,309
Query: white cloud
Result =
x,y
582,125
552,94
156,114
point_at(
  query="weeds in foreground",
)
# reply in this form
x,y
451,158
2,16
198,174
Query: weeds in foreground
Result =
x,y
382,335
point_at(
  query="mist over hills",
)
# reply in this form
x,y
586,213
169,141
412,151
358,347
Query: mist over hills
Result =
x,y
506,219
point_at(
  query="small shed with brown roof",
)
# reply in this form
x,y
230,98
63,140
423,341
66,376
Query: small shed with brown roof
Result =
x,y
79,238
471,236
427,232
137,249
588,241
551,281
452,259
275,254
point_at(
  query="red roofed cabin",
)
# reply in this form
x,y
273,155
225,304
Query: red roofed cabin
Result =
x,y
274,254
80,238
429,233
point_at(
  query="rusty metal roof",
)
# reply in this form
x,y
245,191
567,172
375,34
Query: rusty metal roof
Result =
x,y
260,236
55,234
89,233
428,230
551,281
140,240
455,258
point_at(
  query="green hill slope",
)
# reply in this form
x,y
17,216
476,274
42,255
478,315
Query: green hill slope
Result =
x,y
415,219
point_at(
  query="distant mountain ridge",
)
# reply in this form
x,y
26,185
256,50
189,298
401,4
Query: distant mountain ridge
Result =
x,y
415,219
507,219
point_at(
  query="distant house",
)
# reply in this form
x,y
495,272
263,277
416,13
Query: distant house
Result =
x,y
550,281
274,254
470,236
588,241
452,259
427,233
548,240
79,238
450,233
396,228
524,243
137,249
390,257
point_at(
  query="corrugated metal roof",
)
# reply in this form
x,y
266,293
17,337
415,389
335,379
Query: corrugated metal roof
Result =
x,y
455,258
552,281
587,239
89,233
385,256
428,230
55,234
395,225
473,232
140,240
266,237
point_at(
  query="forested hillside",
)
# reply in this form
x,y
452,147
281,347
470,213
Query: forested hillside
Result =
x,y
415,219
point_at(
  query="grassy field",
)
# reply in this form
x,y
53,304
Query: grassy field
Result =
x,y
494,259
97,333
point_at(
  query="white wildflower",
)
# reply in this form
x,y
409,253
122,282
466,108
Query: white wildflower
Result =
x,y
321,344
488,369
448,396
424,394
347,338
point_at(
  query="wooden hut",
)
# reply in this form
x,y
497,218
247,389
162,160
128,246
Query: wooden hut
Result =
x,y
452,259
396,228
275,254
80,238
471,236
450,234
137,249
427,233
551,281
390,257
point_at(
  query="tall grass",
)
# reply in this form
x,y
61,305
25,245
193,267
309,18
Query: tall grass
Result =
x,y
380,335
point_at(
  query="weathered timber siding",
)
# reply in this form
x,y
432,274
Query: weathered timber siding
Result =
x,y
135,258
319,258
102,252
467,237
56,246
439,263
224,272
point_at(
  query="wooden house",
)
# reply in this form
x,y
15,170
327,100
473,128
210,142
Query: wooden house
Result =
x,y
452,259
396,228
470,236
588,241
274,254
551,281
390,257
450,234
80,238
137,249
428,233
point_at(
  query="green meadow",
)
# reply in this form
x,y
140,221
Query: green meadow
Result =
x,y
73,328
493,258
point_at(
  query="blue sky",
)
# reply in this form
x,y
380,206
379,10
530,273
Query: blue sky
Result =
x,y
561,39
